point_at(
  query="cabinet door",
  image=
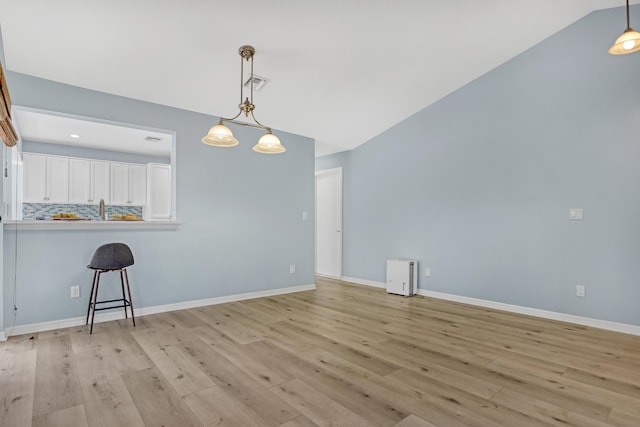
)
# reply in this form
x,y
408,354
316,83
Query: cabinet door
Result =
x,y
119,184
34,168
137,185
79,181
158,192
100,182
57,179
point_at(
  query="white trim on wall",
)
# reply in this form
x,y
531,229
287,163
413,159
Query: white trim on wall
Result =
x,y
144,311
545,314
364,282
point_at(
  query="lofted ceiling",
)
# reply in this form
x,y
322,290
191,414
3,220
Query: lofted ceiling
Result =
x,y
340,71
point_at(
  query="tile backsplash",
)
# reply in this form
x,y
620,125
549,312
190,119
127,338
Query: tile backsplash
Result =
x,y
31,211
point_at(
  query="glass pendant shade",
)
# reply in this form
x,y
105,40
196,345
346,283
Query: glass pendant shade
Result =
x,y
269,144
628,42
220,136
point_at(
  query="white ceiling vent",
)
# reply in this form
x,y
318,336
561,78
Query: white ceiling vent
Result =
x,y
257,82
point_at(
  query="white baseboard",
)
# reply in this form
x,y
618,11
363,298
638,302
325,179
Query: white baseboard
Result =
x,y
545,314
144,311
364,282
328,276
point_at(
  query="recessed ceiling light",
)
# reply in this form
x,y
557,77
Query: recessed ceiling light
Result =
x,y
73,135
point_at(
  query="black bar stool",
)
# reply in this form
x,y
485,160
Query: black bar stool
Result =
x,y
107,258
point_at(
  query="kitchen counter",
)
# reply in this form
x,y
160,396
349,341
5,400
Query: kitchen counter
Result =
x,y
90,225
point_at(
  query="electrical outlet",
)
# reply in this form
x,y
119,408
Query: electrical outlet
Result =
x,y
292,269
576,214
75,292
427,272
580,291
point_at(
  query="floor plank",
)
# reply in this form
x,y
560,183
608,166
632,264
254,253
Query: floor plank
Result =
x,y
17,377
106,398
56,385
68,417
156,401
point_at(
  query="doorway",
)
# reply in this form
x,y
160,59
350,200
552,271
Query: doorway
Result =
x,y
329,223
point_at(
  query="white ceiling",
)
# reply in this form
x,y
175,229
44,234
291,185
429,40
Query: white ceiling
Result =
x,y
340,71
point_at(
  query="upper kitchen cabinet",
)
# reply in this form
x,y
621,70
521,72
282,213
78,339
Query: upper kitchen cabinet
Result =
x,y
158,192
128,184
46,178
88,181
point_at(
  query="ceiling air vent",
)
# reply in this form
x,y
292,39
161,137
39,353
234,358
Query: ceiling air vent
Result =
x,y
257,82
153,139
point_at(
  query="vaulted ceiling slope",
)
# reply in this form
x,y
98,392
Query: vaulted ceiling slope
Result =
x,y
340,71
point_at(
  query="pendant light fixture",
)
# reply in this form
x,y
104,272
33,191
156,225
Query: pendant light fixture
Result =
x,y
628,42
221,136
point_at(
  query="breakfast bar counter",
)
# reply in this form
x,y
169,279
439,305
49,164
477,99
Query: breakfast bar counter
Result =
x,y
90,225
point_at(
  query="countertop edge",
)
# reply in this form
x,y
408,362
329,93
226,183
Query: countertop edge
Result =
x,y
90,225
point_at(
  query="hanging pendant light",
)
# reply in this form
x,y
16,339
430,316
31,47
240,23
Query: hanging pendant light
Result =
x,y
628,42
221,136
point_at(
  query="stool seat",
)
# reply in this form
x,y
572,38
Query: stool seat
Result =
x,y
110,257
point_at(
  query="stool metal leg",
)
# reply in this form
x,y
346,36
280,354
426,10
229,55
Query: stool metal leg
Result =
x,y
124,298
95,298
130,299
93,285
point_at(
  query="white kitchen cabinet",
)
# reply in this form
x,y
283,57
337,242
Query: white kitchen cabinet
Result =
x,y
57,179
45,179
100,181
158,206
34,181
88,181
128,184
79,181
137,185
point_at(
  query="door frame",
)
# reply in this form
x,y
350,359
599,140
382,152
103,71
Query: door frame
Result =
x,y
338,172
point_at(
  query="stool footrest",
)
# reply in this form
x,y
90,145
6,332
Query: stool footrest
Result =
x,y
125,305
111,300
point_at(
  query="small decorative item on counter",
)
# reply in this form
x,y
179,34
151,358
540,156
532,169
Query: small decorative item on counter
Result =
x,y
65,216
68,217
127,217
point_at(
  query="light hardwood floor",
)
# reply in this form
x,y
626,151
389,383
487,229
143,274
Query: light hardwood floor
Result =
x,y
342,355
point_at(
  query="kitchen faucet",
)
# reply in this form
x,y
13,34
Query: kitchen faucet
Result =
x,y
102,212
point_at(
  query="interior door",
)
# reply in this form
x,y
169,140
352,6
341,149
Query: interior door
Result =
x,y
329,223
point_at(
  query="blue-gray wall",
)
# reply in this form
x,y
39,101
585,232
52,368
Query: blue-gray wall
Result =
x,y
478,186
241,214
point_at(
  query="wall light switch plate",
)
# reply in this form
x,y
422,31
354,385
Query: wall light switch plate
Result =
x,y
580,291
575,213
305,216
292,269
75,292
427,271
